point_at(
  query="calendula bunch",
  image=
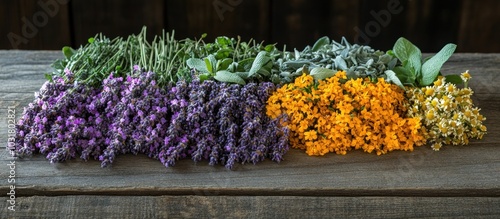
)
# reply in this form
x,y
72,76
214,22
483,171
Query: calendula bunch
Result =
x,y
338,115
447,113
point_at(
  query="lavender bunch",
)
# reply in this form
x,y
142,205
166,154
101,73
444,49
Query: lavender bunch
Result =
x,y
109,99
222,123
176,141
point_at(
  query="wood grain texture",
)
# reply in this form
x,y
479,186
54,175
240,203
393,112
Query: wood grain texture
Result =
x,y
40,24
115,18
299,23
251,207
192,18
479,29
454,182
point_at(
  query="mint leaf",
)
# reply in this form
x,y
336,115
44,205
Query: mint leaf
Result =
x,y
320,43
68,52
269,48
223,41
430,69
225,76
321,73
258,62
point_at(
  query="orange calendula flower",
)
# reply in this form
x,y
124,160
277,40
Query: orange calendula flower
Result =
x,y
334,116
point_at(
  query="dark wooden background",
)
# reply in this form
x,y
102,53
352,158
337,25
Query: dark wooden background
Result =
x,y
50,24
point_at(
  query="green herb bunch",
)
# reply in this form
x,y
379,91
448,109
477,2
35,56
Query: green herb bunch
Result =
x,y
99,58
327,56
416,71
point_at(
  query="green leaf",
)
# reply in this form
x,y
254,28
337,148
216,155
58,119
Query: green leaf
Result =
x,y
431,68
264,72
245,64
223,53
223,41
204,77
211,63
403,49
228,77
68,52
197,64
320,43
259,61
269,48
242,74
48,76
224,64
414,64
391,77
321,73
391,53
454,79
91,40
404,75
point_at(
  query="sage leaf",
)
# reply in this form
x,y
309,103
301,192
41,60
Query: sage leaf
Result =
x,y
391,77
228,77
264,72
430,69
321,73
260,60
224,64
211,63
404,75
340,63
320,43
243,75
297,54
197,64
245,64
403,49
415,64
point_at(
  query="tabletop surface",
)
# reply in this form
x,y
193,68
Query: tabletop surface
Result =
x,y
458,181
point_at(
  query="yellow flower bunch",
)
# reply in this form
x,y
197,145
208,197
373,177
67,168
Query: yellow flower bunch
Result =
x,y
338,115
447,112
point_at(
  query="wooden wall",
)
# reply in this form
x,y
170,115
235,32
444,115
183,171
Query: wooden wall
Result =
x,y
50,24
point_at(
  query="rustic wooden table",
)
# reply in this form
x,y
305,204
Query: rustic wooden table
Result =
x,y
458,181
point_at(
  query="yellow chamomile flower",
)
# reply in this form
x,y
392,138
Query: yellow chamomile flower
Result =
x,y
447,113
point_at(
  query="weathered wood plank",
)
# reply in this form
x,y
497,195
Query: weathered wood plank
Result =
x,y
454,171
251,207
